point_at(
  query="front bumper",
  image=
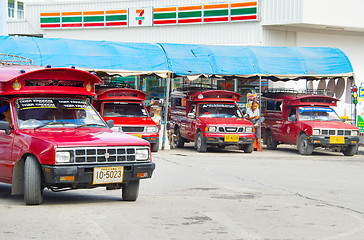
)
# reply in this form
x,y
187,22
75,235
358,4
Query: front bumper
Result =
x,y
150,137
81,176
219,139
325,141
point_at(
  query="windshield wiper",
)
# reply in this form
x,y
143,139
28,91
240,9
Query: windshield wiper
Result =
x,y
90,124
51,123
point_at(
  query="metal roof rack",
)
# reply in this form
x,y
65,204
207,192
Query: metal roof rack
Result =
x,y
197,87
14,60
297,92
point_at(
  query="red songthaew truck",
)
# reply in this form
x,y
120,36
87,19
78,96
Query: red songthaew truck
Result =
x,y
307,121
126,108
51,137
210,118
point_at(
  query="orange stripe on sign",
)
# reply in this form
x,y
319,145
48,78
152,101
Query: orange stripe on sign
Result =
x,y
246,4
166,9
88,13
54,14
190,8
138,10
216,6
115,11
71,13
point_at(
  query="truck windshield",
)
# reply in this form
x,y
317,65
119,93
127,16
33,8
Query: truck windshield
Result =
x,y
219,110
124,109
55,113
317,114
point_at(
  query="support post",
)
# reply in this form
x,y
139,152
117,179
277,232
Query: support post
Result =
x,y
260,115
166,102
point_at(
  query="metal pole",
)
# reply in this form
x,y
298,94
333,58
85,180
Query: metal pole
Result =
x,y
166,102
260,114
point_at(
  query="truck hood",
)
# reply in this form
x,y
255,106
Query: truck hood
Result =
x,y
226,121
131,121
84,137
329,124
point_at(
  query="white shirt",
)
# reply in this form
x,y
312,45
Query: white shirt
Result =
x,y
250,113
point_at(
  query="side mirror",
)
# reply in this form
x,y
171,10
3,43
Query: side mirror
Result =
x,y
151,114
4,125
191,115
110,123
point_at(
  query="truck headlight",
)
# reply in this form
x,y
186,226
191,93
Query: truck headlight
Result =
x,y
316,132
63,157
151,129
142,154
354,133
115,129
249,130
211,129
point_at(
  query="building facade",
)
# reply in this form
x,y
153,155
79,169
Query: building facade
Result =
x,y
298,23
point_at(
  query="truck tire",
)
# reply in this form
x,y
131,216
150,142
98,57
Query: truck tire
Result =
x,y
271,144
33,190
180,142
130,191
303,145
154,147
248,148
200,143
350,150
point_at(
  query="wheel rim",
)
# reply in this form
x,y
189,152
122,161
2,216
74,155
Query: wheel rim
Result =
x,y
199,142
304,145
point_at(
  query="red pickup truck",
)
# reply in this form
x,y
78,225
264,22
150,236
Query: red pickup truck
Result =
x,y
51,137
126,108
210,118
307,121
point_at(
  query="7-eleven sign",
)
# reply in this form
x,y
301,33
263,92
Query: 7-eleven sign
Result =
x,y
140,17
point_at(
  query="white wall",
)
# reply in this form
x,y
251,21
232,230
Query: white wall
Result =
x,y
3,14
334,12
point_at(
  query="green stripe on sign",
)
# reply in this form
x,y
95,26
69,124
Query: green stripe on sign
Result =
x,y
116,18
165,15
71,19
50,20
190,14
93,18
242,11
214,13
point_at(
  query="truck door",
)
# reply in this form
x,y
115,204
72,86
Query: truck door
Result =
x,y
191,122
6,142
289,128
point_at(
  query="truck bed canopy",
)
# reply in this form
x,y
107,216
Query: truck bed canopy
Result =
x,y
192,60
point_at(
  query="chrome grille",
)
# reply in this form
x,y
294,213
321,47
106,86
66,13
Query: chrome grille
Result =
x,y
231,129
102,154
336,132
132,129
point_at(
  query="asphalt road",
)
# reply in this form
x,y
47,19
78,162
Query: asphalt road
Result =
x,y
221,194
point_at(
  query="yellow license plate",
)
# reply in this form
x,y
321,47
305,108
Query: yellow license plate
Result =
x,y
231,138
337,139
105,175
137,135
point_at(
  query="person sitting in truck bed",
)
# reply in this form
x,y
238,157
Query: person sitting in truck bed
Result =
x,y
252,114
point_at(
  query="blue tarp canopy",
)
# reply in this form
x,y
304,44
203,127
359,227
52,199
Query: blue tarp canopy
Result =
x,y
245,61
182,59
113,57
